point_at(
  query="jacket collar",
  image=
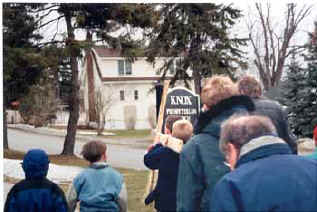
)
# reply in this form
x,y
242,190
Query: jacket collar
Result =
x,y
227,104
98,165
262,147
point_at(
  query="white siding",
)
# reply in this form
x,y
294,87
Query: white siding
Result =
x,y
115,117
111,89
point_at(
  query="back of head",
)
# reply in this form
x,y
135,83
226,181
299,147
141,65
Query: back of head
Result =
x,y
183,130
170,120
240,129
93,150
249,86
217,88
35,164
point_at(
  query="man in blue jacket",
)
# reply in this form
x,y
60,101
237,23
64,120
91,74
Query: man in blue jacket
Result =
x,y
266,175
201,162
35,192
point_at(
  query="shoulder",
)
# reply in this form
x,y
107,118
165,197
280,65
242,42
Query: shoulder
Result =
x,y
268,103
199,146
114,173
199,141
54,187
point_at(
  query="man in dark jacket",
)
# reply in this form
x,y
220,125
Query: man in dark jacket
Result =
x,y
201,163
266,176
35,192
249,86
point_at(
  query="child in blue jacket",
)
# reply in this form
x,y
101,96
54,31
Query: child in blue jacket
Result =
x,y
99,187
166,160
35,192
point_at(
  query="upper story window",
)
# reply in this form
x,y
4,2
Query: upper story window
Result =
x,y
124,67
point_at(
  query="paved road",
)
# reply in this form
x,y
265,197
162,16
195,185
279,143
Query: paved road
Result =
x,y
124,156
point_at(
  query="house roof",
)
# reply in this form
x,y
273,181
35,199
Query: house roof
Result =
x,y
103,51
107,52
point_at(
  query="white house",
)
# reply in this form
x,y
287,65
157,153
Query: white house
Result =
x,y
127,88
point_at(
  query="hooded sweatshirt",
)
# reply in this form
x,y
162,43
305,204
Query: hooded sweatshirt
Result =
x,y
35,193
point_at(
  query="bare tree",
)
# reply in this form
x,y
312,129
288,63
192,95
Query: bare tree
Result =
x,y
270,47
103,103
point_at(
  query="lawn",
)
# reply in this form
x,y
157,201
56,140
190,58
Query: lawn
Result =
x,y
130,133
135,180
145,133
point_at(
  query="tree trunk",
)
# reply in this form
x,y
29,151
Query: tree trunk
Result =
x,y
69,143
91,83
197,82
5,129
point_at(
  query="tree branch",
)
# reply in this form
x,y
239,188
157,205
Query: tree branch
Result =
x,y
44,9
56,19
266,45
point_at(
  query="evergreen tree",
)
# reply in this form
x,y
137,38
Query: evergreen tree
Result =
x,y
293,90
199,35
311,83
102,20
21,58
300,92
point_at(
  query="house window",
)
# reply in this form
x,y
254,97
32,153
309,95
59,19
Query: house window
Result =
x,y
122,95
136,95
124,67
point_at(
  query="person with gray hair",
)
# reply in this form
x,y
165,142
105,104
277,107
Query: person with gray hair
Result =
x,y
265,175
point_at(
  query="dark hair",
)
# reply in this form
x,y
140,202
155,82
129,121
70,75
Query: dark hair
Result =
x,y
249,86
93,150
170,120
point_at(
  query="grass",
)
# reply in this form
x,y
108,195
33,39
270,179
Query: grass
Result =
x,y
145,133
130,133
135,180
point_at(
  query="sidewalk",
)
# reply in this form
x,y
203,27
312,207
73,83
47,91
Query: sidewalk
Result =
x,y
82,135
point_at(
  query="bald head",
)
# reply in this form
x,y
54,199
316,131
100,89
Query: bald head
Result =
x,y
240,129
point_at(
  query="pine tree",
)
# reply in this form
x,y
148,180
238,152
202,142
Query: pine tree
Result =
x,y
311,83
102,20
199,35
300,92
293,87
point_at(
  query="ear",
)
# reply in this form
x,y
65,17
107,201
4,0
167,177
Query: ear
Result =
x,y
104,156
167,131
232,155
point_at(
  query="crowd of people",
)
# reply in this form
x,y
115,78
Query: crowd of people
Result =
x,y
239,156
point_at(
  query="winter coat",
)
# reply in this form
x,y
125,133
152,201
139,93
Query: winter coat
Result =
x,y
268,178
35,193
99,188
278,115
166,161
201,162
